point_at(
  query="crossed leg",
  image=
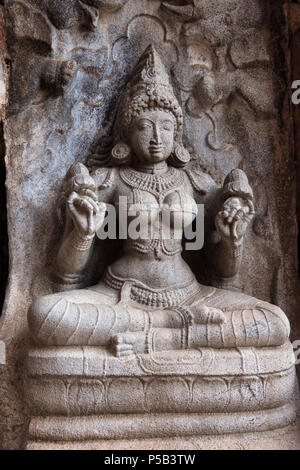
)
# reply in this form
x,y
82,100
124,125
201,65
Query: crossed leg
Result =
x,y
213,318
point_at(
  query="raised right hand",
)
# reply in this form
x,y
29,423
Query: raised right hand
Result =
x,y
86,212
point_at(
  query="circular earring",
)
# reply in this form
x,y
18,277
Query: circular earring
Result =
x,y
121,153
181,156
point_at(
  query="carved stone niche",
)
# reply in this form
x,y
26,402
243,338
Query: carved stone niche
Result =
x,y
167,104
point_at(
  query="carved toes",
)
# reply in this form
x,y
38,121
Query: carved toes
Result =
x,y
203,315
215,316
123,344
126,344
124,350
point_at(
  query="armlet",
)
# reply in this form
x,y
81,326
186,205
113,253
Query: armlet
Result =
x,y
201,182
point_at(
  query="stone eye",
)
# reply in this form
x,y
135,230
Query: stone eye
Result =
x,y
168,126
144,125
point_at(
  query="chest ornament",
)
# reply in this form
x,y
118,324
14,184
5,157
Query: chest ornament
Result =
x,y
155,184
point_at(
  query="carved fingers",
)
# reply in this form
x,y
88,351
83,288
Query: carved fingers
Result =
x,y
81,211
99,219
87,214
88,193
222,225
232,222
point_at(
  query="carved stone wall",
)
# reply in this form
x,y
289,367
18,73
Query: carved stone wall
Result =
x,y
68,64
294,46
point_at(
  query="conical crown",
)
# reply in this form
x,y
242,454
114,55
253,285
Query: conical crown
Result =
x,y
148,88
150,72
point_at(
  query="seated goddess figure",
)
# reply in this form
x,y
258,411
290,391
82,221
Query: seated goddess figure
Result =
x,y
149,299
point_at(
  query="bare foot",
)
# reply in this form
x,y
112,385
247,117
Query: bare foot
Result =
x,y
203,315
128,344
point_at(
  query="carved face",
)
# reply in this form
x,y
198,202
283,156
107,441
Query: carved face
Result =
x,y
152,136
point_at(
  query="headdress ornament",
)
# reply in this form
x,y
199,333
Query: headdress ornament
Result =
x,y
149,88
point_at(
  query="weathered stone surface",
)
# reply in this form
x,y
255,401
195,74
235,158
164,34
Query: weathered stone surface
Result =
x,y
204,381
295,45
68,70
135,426
282,439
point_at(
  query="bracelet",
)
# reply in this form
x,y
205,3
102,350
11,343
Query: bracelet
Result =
x,y
80,243
236,251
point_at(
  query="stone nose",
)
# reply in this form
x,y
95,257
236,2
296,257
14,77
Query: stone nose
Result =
x,y
156,137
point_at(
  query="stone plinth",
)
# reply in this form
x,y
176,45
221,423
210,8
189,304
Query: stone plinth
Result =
x,y
287,438
85,394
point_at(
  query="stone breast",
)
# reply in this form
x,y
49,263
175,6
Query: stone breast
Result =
x,y
156,217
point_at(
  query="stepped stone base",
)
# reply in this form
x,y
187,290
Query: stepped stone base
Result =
x,y
86,394
287,438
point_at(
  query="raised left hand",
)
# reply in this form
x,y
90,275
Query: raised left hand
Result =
x,y
233,220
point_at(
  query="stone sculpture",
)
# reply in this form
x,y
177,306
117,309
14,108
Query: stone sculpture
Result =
x,y
148,320
150,289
